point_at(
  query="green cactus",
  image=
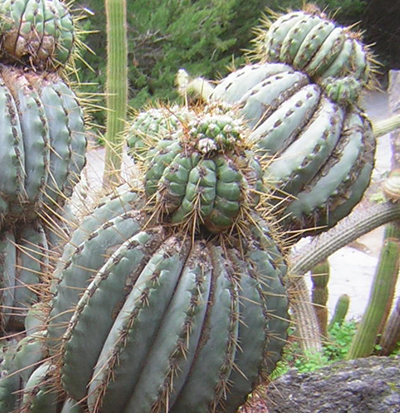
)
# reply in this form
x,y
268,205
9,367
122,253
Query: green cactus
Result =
x,y
116,87
43,129
310,42
204,174
38,34
209,297
317,155
390,338
319,294
10,383
341,309
381,296
152,125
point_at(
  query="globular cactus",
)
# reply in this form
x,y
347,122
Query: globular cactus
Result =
x,y
204,173
163,314
39,34
317,155
312,43
44,143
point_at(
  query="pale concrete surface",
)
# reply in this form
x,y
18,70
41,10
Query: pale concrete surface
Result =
x,y
352,267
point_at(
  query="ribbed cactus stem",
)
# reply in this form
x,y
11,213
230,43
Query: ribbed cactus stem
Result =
x,y
390,338
304,317
341,310
348,230
319,294
116,86
381,296
386,126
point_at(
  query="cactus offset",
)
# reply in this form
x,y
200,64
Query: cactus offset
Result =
x,y
204,174
310,42
340,312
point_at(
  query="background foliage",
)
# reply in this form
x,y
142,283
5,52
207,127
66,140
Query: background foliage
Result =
x,y
207,36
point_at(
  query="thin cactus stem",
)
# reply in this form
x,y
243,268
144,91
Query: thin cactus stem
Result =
x,y
341,309
116,87
390,338
357,224
319,294
304,317
381,296
348,230
386,126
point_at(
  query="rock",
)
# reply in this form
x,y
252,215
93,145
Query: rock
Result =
x,y
356,386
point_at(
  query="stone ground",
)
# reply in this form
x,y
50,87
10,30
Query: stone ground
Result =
x,y
352,267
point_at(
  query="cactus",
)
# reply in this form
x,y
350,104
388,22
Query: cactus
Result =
x,y
317,155
341,309
116,87
381,296
391,186
202,289
25,261
42,120
319,294
206,175
36,33
310,42
390,338
154,124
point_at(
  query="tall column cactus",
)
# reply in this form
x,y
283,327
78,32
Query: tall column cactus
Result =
x,y
116,87
381,296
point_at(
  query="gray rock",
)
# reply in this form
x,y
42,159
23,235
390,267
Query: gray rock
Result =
x,y
368,385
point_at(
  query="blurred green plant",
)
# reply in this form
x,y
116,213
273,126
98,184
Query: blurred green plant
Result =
x,y
335,348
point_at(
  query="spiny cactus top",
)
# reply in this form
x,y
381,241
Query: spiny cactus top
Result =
x,y
310,42
36,33
203,172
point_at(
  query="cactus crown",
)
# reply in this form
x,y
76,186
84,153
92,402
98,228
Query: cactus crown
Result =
x,y
199,170
311,42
